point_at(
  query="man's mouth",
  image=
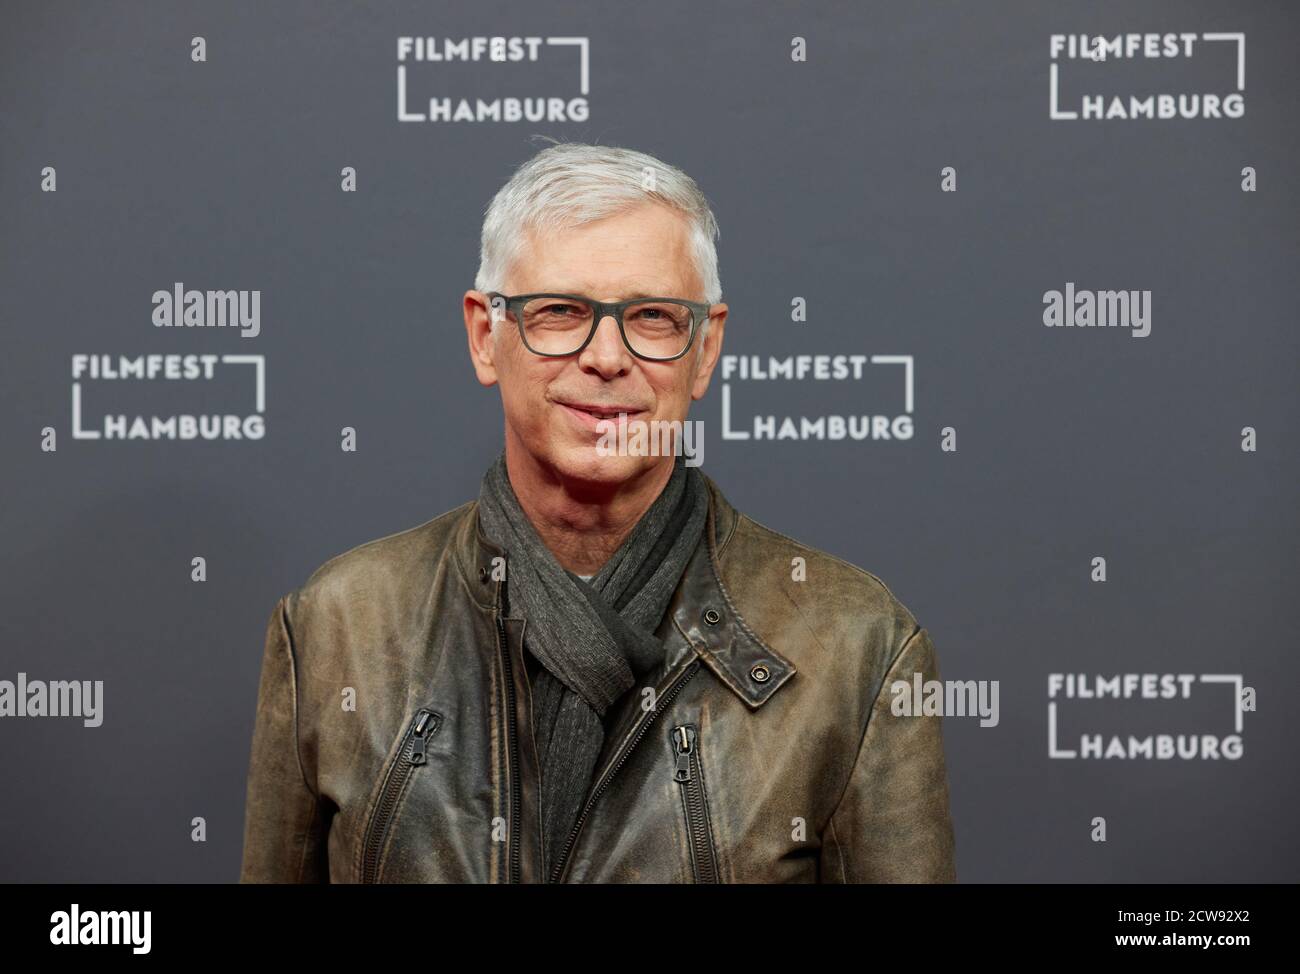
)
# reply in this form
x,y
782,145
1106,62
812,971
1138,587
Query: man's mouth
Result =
x,y
591,413
604,412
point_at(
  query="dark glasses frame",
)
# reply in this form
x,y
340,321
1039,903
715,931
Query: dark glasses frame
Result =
x,y
600,310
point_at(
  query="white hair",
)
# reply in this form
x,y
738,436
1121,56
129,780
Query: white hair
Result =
x,y
569,184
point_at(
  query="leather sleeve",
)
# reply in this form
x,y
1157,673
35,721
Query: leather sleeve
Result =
x,y
892,824
284,829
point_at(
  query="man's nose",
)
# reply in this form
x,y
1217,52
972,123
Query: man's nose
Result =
x,y
606,351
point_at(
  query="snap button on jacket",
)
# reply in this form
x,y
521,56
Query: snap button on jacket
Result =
x,y
762,750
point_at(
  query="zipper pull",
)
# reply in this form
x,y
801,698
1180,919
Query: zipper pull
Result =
x,y
417,748
683,738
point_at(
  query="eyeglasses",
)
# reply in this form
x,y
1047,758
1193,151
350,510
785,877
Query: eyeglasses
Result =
x,y
556,325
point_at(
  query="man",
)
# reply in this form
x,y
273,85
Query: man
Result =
x,y
599,670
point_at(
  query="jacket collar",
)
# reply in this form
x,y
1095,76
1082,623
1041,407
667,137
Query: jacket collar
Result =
x,y
701,608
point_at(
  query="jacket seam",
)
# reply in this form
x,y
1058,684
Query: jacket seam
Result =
x,y
818,551
839,849
293,680
804,619
735,519
866,727
306,844
309,829
388,537
735,613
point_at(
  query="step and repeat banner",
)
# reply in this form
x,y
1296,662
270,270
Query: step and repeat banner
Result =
x,y
1012,327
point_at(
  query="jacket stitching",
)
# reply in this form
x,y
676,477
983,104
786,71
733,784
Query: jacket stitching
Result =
x,y
310,827
306,844
839,849
293,679
735,516
740,621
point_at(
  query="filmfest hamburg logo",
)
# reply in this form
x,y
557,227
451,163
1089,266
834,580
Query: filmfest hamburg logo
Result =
x,y
163,374
166,368
746,418
1083,61
432,58
1147,688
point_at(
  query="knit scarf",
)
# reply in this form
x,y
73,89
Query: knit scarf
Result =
x,y
594,638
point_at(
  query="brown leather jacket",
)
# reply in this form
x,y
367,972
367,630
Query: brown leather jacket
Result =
x,y
393,740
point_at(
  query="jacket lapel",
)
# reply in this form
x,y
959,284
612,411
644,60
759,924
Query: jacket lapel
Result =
x,y
702,623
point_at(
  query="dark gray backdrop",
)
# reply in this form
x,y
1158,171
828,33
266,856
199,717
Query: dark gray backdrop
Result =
x,y
825,178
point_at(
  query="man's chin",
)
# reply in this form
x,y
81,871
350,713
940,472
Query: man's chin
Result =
x,y
586,464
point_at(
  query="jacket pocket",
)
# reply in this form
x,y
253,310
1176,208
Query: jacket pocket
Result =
x,y
695,802
410,755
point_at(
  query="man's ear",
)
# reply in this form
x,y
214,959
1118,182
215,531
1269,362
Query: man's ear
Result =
x,y
482,343
711,349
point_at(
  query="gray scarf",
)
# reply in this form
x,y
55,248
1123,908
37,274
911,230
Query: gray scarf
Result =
x,y
594,639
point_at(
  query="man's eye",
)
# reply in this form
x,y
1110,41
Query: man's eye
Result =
x,y
658,316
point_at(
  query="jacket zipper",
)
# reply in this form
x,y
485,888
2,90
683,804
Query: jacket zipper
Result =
x,y
649,719
512,737
686,748
409,756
